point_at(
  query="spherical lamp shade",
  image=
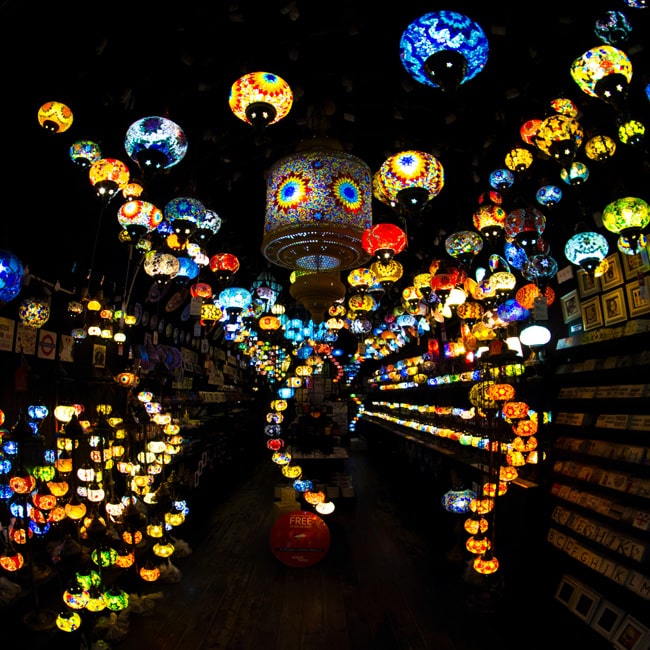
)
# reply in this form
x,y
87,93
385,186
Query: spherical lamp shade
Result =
x,y
534,335
548,195
139,217
108,176
383,241
519,159
361,279
34,312
502,179
184,214
458,500
410,179
161,266
234,299
224,265
489,220
604,72
208,224
525,225
627,216
600,148
529,293
559,137
155,143
613,28
586,250
443,49
464,245
575,174
11,276
260,98
387,273
55,117
84,153
318,205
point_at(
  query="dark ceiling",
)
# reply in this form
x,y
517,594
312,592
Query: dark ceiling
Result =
x,y
115,64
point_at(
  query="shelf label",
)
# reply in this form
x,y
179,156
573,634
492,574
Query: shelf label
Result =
x,y
639,422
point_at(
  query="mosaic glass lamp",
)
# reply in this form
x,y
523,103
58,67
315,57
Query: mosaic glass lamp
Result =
x,y
519,159
160,266
208,224
458,500
108,176
34,312
575,174
627,216
604,72
11,276
502,179
464,245
525,226
383,241
548,195
489,220
613,28
260,98
600,148
55,117
586,250
387,273
139,217
559,137
224,265
443,49
184,213
410,179
84,153
318,205
155,143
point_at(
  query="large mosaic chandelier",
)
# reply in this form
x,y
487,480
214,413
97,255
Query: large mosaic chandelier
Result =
x,y
318,205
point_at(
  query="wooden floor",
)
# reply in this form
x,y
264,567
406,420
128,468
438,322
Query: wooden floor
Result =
x,y
393,579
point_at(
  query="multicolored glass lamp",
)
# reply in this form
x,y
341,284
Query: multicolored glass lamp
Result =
x,y
387,273
613,28
318,205
108,176
525,226
444,49
464,245
161,266
55,117
224,265
409,179
155,143
208,224
260,98
586,250
11,276
184,214
489,220
383,241
559,137
604,72
628,217
139,217
84,153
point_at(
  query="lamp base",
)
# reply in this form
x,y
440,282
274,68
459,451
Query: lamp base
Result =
x,y
40,620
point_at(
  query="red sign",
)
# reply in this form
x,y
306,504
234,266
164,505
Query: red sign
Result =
x,y
300,538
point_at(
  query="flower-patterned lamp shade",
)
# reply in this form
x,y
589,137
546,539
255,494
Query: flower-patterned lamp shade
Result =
x,y
519,159
361,279
108,176
443,49
613,28
55,117
600,148
387,273
502,179
208,224
604,72
586,250
139,217
525,225
34,312
183,214
161,266
155,143
458,500
384,241
11,276
464,245
627,216
224,265
548,195
234,299
409,179
575,174
318,205
84,153
489,220
260,98
559,137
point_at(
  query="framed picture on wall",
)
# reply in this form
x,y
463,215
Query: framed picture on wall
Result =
x,y
635,264
614,274
592,313
585,603
638,299
567,590
613,304
607,619
629,635
570,306
588,284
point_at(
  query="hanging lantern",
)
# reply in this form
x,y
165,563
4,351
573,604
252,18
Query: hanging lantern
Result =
x,y
489,220
11,276
586,250
183,213
55,117
84,153
155,143
548,195
443,49
486,564
387,273
600,148
34,312
224,265
108,176
627,216
559,137
409,179
519,159
384,241
361,279
161,266
464,245
529,293
502,179
260,98
139,217
318,205
458,500
525,226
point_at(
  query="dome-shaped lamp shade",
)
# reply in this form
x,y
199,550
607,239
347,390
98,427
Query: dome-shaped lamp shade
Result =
x,y
234,299
575,174
535,334
84,153
604,72
184,213
384,240
318,205
34,312
410,179
107,176
600,148
458,500
55,117
627,216
489,220
548,195
188,270
260,98
443,49
162,267
464,245
559,137
387,273
224,265
208,224
139,217
613,28
586,250
11,276
155,143
525,226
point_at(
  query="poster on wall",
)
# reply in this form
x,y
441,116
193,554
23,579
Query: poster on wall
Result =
x,y
46,344
25,339
7,329
66,348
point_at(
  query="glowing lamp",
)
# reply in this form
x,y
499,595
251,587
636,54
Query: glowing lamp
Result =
x,y
387,273
586,250
525,225
139,217
149,572
486,564
155,143
11,276
34,312
458,500
161,266
477,545
108,176
489,220
68,621
502,179
548,195
475,524
260,98
529,293
410,179
183,213
559,137
501,392
84,153
116,598
464,245
443,49
627,216
519,159
224,265
55,117
383,241
600,148
318,205
361,279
